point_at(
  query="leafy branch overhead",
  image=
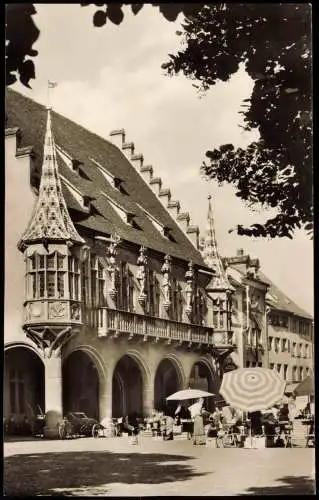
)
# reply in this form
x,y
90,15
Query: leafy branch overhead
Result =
x,y
274,43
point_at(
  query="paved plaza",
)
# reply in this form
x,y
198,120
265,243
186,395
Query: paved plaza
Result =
x,y
114,467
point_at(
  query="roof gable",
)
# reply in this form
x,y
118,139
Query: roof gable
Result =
x,y
82,145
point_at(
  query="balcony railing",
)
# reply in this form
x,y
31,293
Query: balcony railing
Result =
x,y
117,322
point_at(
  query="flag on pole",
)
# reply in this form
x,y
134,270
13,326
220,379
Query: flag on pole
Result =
x,y
52,85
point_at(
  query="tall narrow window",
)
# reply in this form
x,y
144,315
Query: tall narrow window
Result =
x,y
85,283
123,287
45,276
93,280
285,372
101,285
74,277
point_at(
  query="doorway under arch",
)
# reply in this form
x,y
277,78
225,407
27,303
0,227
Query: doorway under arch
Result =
x,y
24,391
127,388
167,381
80,384
201,377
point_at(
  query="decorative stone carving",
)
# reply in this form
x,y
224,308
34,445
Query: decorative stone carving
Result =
x,y
36,310
189,275
112,266
166,271
141,275
84,253
57,310
75,312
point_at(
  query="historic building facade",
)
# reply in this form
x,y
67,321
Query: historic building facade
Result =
x,y
112,301
290,337
109,304
278,334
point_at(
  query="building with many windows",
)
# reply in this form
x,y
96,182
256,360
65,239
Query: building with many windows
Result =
x,y
278,334
290,337
112,301
109,304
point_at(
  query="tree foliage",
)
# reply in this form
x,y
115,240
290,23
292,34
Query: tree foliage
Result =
x,y
274,43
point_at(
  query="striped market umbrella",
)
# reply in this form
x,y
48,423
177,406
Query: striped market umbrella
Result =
x,y
252,389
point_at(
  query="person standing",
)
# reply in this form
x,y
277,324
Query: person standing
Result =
x,y
197,412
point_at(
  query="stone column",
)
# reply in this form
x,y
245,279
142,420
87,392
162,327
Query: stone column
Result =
x,y
105,406
53,393
148,395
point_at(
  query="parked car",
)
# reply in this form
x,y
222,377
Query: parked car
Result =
x,y
81,424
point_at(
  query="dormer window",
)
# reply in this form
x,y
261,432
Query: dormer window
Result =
x,y
115,182
84,201
46,276
164,230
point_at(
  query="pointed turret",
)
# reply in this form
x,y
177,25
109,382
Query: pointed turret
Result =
x,y
51,220
211,255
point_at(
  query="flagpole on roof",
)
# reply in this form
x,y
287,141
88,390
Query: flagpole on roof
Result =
x,y
51,85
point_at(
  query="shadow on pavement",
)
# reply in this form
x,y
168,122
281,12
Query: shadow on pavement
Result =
x,y
289,485
64,473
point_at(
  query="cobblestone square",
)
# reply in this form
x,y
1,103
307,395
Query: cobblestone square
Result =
x,y
113,467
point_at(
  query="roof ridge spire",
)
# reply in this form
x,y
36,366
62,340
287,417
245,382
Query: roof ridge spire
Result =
x,y
51,219
210,252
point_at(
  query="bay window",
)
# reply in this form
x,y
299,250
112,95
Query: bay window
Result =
x,y
46,276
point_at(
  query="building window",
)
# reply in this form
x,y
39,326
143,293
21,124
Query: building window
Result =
x,y
300,373
277,344
125,298
177,305
85,283
293,352
307,351
285,372
199,310
279,368
284,345
299,351
270,344
74,278
45,276
247,364
283,321
294,374
97,283
271,366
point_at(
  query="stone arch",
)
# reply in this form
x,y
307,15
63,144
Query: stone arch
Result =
x,y
130,376
169,377
94,355
83,376
24,391
202,376
12,345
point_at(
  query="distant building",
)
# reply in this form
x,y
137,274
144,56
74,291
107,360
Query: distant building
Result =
x,y
279,334
290,336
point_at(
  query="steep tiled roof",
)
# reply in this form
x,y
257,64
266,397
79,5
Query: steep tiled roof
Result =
x,y
84,146
279,300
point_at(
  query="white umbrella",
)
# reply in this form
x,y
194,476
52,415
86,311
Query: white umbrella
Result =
x,y
252,389
189,394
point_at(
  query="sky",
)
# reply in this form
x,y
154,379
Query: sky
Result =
x,y
111,77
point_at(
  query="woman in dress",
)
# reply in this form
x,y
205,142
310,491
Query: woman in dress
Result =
x,y
197,411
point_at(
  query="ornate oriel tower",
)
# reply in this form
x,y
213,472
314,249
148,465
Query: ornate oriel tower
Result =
x,y
219,290
52,251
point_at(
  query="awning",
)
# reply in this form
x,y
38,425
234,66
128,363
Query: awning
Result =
x,y
290,388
